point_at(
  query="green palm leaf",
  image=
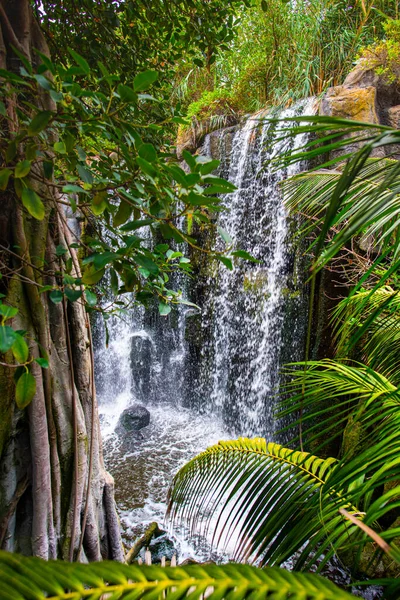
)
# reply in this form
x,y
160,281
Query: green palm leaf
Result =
x,y
373,317
25,578
328,392
275,499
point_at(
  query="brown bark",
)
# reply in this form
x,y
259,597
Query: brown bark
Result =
x,y
52,478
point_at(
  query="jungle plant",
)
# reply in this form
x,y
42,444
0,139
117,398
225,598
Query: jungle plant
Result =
x,y
34,579
284,503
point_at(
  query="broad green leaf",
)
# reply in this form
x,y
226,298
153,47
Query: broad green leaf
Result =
x,y
126,93
91,298
3,110
82,62
43,82
72,294
4,177
56,296
25,390
132,225
85,174
99,203
43,362
123,213
146,167
22,168
39,122
144,80
70,188
60,148
60,250
8,312
209,167
146,263
226,261
148,152
20,349
7,338
33,203
164,309
92,275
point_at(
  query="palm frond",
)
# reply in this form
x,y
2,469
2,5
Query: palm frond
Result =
x,y
369,206
373,317
275,500
25,578
328,392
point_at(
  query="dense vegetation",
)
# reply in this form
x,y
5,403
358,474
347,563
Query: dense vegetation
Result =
x,y
90,104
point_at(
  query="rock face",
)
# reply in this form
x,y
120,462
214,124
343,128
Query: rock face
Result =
x,y
357,104
133,418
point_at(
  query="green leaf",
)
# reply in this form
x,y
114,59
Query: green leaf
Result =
x,y
226,261
85,174
8,312
48,169
123,213
132,225
91,298
39,122
72,295
148,152
43,362
4,177
22,168
164,309
144,80
56,296
74,189
60,250
82,62
60,148
56,96
20,349
99,203
30,578
209,167
25,390
7,338
245,255
3,110
264,5
33,204
146,263
146,167
127,94
114,281
43,81
92,275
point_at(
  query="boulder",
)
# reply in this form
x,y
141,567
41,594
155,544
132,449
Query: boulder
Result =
x,y
357,104
133,418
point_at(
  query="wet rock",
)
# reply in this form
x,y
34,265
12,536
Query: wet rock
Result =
x,y
133,418
162,546
394,116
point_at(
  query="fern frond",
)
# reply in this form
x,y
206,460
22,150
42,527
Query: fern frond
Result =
x,y
24,578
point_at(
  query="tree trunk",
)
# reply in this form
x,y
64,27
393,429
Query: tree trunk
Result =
x,y
56,498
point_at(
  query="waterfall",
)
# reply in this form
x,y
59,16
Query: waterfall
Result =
x,y
253,316
209,374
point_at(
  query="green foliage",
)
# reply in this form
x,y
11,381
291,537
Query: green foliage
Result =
x,y
34,579
217,102
281,53
383,55
282,502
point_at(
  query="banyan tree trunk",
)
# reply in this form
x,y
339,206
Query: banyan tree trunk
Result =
x,y
56,498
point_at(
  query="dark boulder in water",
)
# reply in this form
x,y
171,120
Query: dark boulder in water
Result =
x,y
133,418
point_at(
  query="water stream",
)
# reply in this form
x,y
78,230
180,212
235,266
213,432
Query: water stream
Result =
x,y
213,374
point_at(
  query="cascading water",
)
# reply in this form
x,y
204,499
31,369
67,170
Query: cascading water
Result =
x,y
207,375
253,317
